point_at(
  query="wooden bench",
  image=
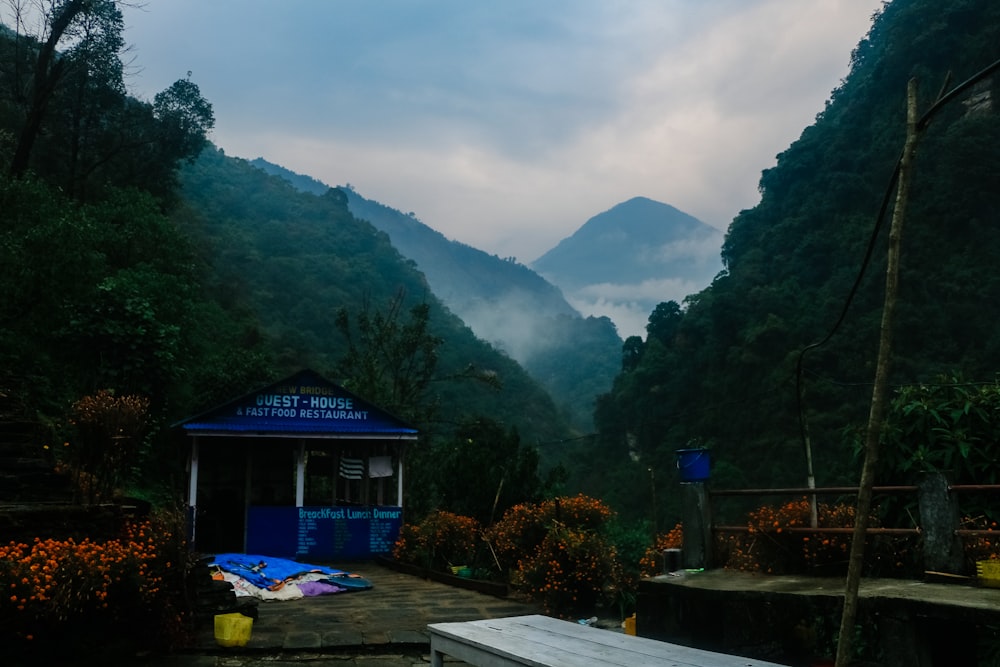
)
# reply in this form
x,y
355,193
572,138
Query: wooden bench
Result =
x,y
541,641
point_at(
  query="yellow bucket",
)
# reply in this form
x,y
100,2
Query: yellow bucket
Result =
x,y
233,629
630,625
988,572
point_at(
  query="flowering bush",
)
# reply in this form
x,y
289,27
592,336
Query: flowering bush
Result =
x,y
109,431
980,547
440,541
523,527
408,546
778,541
572,569
769,546
823,549
68,593
557,553
650,564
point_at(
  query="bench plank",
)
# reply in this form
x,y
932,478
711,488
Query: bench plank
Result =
x,y
542,641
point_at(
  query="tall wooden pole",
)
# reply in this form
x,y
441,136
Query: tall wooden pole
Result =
x,y
877,411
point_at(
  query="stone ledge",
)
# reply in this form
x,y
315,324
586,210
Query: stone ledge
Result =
x,y
496,589
776,617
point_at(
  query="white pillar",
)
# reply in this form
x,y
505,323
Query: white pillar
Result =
x,y
399,477
300,474
193,473
193,486
247,490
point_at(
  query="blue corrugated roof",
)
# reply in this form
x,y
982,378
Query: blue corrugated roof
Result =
x,y
303,403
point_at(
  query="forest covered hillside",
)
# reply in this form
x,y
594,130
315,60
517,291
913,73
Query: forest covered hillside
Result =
x,y
756,362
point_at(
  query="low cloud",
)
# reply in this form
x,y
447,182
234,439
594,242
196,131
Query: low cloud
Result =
x,y
657,291
508,325
629,305
703,252
629,317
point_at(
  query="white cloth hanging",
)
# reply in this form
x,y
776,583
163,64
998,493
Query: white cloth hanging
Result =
x,y
380,466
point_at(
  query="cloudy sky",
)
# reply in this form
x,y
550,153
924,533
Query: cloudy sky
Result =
x,y
506,125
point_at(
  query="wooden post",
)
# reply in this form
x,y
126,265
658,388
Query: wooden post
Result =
x,y
939,518
696,526
880,390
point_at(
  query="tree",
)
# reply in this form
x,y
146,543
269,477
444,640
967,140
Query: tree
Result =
x,y
484,470
631,353
390,362
91,94
76,126
185,119
664,322
947,426
63,18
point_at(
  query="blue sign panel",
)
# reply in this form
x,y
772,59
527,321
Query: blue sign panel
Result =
x,y
323,533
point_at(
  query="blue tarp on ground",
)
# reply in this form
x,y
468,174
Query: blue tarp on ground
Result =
x,y
269,577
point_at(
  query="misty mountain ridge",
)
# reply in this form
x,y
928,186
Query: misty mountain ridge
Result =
x,y
623,262
503,302
619,264
492,295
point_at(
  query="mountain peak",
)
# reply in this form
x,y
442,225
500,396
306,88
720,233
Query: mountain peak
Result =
x,y
636,226
638,253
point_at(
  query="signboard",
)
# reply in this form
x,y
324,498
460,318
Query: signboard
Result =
x,y
323,533
304,403
294,401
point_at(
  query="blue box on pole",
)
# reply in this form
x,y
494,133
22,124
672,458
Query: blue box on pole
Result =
x,y
693,464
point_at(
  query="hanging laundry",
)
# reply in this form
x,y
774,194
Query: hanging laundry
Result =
x,y
352,468
380,466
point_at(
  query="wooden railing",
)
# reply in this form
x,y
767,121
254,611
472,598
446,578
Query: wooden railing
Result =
x,y
938,518
824,491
